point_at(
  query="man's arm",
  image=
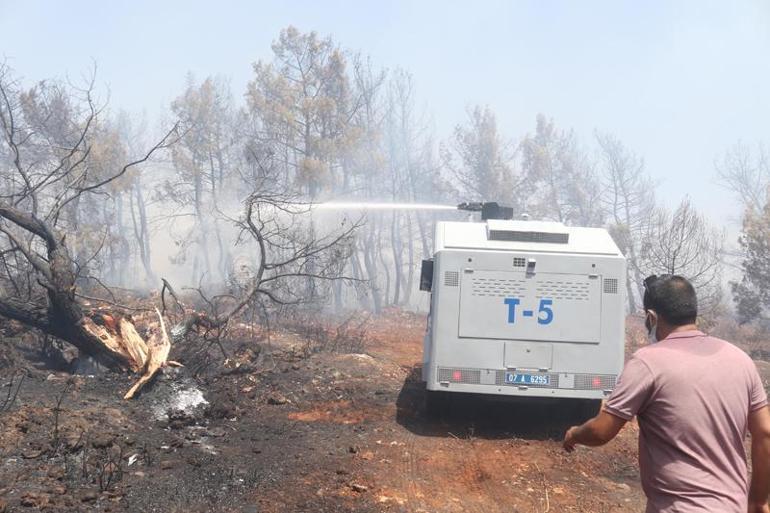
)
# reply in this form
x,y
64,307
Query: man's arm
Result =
x,y
759,427
597,431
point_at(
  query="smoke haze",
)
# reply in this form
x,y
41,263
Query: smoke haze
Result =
x,y
543,106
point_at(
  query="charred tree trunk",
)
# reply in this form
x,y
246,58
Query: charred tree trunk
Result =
x,y
370,265
62,316
424,240
142,232
203,235
385,268
634,277
395,247
358,274
411,263
224,259
224,262
114,263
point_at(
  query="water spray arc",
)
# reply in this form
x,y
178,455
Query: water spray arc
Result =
x,y
343,205
489,210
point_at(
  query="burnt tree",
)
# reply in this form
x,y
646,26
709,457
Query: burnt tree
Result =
x,y
48,170
275,228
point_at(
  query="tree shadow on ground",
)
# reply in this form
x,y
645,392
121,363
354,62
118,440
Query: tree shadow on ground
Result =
x,y
490,417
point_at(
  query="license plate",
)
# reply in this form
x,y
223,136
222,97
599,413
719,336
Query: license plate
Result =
x,y
527,379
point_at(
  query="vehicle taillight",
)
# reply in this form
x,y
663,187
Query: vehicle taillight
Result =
x,y
597,382
457,376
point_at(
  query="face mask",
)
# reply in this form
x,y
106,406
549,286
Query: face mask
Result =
x,y
651,323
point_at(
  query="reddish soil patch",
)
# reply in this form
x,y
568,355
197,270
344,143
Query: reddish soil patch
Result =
x,y
337,412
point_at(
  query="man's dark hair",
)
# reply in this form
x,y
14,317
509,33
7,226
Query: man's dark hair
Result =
x,y
672,297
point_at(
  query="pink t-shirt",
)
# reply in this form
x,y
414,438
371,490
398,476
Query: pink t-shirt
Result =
x,y
692,395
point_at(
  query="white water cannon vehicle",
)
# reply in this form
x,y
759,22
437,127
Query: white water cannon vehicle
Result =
x,y
523,308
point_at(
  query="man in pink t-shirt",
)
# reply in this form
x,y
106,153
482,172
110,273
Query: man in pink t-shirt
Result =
x,y
695,398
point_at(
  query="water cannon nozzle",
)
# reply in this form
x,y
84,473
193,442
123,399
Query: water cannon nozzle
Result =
x,y
488,209
474,206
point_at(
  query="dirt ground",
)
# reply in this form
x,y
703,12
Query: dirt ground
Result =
x,y
299,431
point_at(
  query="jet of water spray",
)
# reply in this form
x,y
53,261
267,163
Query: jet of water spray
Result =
x,y
342,205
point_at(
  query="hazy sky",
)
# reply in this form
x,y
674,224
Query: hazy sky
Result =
x,y
678,82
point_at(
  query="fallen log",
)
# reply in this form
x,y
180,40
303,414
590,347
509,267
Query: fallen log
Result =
x,y
121,337
158,347
132,342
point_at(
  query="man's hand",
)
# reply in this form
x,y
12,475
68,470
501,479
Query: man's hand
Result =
x,y
569,439
597,431
757,507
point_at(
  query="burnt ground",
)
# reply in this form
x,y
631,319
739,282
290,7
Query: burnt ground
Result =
x,y
302,430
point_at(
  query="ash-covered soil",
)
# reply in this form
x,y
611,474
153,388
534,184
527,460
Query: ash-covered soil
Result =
x,y
300,430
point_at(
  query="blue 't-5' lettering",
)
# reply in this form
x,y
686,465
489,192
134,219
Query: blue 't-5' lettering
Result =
x,y
511,302
544,311
545,308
